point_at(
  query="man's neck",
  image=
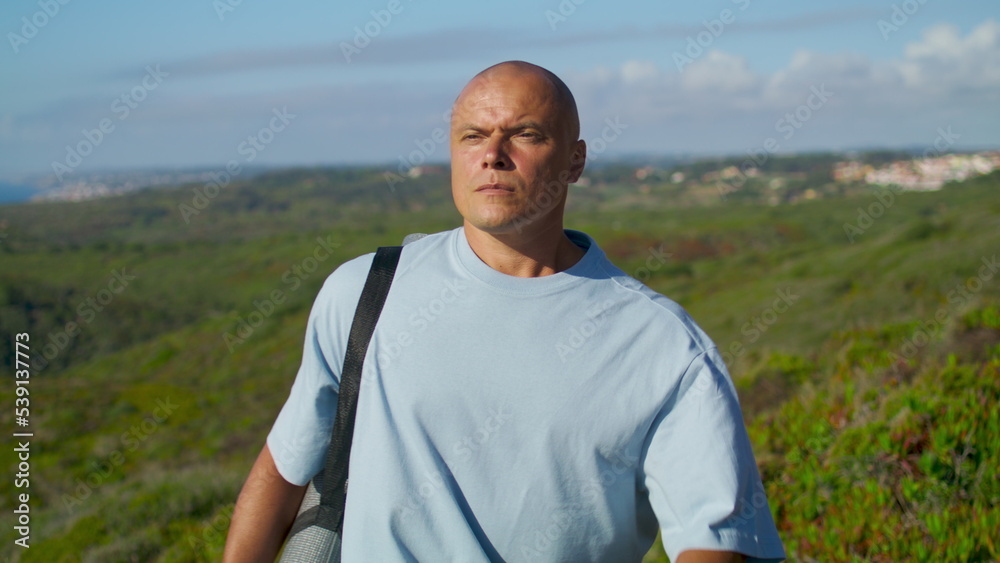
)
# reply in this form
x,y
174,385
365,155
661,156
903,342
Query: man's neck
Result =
x,y
525,255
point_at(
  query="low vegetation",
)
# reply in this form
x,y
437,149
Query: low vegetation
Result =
x,y
867,370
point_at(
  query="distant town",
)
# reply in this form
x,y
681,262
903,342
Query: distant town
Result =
x,y
922,174
925,173
107,184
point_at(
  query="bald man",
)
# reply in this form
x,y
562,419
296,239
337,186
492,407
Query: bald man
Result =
x,y
489,426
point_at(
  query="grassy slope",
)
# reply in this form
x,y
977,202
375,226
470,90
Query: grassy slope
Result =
x,y
888,457
163,491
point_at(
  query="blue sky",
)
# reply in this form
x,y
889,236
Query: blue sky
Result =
x,y
715,77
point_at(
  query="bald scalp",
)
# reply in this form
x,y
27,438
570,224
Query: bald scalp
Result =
x,y
512,70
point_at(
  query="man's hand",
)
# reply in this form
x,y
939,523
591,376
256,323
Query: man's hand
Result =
x,y
263,515
704,556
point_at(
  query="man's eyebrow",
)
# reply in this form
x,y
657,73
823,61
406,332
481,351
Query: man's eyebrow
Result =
x,y
516,128
528,125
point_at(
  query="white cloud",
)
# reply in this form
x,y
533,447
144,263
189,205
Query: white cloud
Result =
x,y
719,72
943,61
719,103
636,71
944,79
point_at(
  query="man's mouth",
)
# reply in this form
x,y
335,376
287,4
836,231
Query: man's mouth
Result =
x,y
495,188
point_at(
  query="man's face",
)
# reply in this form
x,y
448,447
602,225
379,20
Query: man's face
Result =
x,y
511,155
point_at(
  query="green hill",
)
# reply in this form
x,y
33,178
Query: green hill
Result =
x,y
868,370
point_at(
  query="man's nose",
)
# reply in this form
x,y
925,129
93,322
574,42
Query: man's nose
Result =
x,y
495,155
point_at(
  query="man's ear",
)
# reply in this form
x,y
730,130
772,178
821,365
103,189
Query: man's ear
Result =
x,y
577,161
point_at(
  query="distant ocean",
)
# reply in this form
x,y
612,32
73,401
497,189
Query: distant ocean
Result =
x,y
15,193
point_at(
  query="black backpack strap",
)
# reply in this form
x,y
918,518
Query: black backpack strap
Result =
x,y
338,456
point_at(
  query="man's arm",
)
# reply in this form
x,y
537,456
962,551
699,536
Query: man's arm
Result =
x,y
263,515
704,556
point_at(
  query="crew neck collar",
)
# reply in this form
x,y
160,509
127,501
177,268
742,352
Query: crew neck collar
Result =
x,y
586,267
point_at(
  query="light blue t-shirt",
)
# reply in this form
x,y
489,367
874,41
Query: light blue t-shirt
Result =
x,y
558,418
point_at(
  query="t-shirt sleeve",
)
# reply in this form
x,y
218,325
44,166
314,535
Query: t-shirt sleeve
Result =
x,y
700,471
301,433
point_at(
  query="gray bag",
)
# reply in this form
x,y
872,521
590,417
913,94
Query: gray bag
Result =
x,y
314,543
316,533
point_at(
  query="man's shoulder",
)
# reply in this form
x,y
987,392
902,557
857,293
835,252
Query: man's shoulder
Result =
x,y
353,273
657,308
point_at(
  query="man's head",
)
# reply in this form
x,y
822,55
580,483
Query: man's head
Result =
x,y
514,149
